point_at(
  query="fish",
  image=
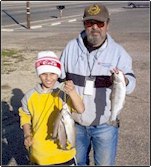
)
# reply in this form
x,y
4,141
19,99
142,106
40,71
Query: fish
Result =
x,y
64,128
118,94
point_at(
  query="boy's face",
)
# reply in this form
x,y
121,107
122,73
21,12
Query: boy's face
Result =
x,y
48,80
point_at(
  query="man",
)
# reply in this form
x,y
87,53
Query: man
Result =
x,y
88,61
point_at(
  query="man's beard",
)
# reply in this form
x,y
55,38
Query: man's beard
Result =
x,y
94,40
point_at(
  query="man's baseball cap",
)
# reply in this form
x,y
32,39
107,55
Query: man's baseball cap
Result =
x,y
96,12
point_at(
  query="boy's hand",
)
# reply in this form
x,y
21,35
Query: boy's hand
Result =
x,y
69,87
28,141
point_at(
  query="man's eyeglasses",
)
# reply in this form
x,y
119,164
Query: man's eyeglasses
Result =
x,y
90,23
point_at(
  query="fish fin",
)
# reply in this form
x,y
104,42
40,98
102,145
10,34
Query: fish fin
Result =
x,y
123,103
115,123
73,139
61,86
62,135
114,116
56,126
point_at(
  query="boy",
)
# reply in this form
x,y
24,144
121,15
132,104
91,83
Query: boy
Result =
x,y
40,107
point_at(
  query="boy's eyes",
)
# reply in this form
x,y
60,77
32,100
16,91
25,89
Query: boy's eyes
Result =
x,y
46,74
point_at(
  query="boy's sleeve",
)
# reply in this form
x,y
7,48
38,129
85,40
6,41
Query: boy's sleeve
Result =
x,y
24,117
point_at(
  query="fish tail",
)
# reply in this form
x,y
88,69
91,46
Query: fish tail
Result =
x,y
115,123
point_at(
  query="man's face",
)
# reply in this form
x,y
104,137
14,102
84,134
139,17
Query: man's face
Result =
x,y
95,31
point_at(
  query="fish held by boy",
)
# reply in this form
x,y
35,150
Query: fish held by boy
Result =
x,y
118,94
64,128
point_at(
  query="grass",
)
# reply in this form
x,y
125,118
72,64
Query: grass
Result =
x,y
9,59
9,52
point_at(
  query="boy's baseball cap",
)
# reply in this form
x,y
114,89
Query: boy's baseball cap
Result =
x,y
47,61
96,12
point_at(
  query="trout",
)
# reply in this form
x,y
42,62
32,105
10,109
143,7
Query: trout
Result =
x,y
118,94
64,128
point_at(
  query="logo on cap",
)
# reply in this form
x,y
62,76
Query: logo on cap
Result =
x,y
94,10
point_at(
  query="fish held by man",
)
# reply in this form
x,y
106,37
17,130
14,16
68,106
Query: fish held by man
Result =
x,y
64,128
118,94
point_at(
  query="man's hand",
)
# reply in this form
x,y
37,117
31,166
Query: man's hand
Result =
x,y
116,70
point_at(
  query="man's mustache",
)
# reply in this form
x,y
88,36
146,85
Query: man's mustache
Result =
x,y
95,31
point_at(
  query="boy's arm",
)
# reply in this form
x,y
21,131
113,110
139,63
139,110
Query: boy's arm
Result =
x,y
24,117
27,130
27,135
76,99
25,122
